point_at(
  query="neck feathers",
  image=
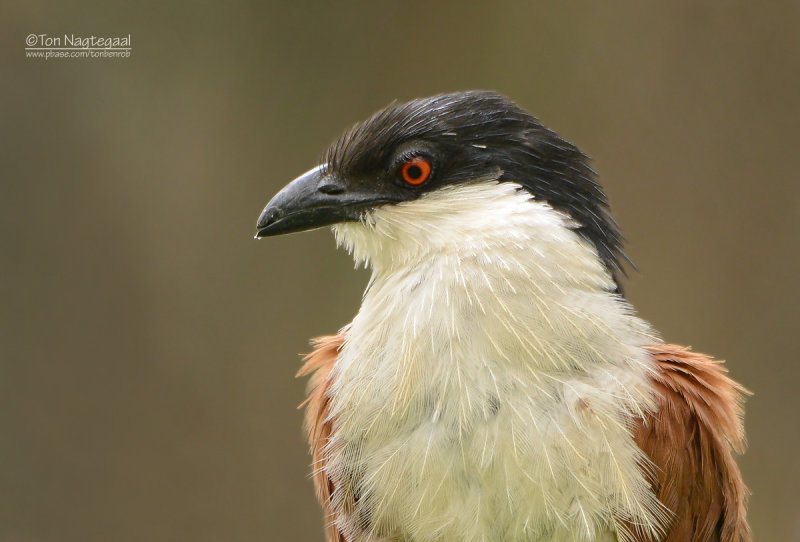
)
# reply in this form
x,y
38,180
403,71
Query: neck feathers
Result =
x,y
484,219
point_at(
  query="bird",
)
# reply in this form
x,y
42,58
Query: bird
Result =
x,y
496,384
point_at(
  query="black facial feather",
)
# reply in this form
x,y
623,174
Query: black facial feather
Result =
x,y
478,135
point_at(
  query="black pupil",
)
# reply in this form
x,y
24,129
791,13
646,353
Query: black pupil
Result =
x,y
414,172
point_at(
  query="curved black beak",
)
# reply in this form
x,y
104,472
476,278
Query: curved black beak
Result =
x,y
313,200
310,201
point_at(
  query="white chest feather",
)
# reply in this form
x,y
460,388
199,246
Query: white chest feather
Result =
x,y
486,384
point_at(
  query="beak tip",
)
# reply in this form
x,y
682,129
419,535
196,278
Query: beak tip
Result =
x,y
261,230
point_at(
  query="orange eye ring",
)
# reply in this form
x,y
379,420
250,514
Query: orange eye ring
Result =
x,y
416,171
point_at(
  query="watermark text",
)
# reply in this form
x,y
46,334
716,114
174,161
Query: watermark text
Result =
x,y
46,46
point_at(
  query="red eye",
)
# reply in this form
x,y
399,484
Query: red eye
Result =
x,y
416,171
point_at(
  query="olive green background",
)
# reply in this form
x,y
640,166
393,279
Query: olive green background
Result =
x,y
148,344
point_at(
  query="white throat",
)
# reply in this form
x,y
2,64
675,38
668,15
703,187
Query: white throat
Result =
x,y
486,385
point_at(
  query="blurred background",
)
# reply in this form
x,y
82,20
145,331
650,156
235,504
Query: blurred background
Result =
x,y
148,344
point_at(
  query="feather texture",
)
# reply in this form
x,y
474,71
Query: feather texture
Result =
x,y
487,384
493,387
318,365
690,438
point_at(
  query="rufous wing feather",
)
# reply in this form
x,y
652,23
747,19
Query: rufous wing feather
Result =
x,y
690,438
318,424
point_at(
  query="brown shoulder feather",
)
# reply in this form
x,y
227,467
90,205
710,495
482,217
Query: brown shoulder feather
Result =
x,y
318,424
690,439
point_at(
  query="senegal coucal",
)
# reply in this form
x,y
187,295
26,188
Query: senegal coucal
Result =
x,y
495,384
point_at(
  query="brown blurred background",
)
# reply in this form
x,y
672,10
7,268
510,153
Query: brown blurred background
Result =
x,y
148,343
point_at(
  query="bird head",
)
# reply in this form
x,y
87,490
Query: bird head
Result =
x,y
418,175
